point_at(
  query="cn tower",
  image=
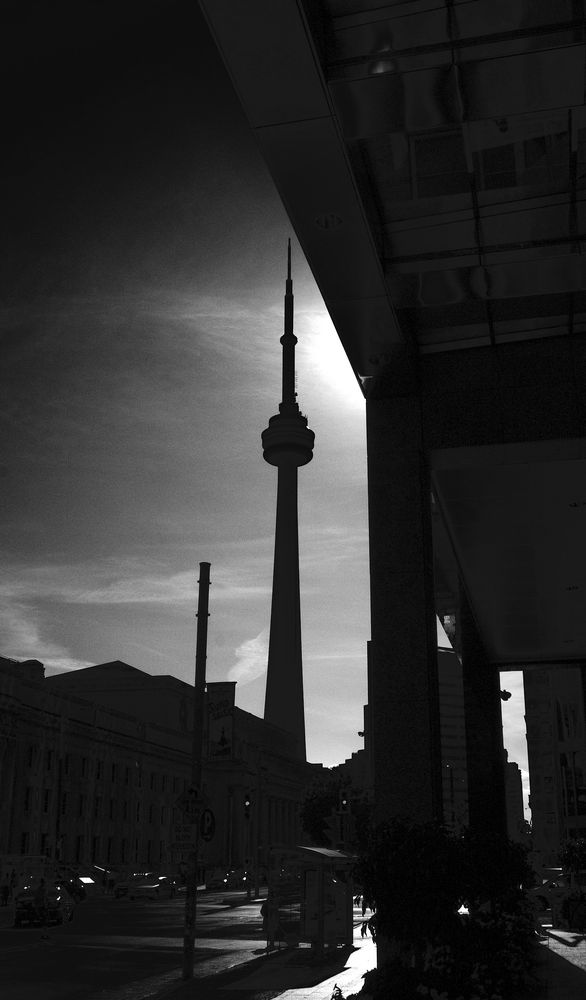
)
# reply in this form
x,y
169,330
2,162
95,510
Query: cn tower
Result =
x,y
287,443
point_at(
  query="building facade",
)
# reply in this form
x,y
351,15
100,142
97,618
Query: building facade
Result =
x,y
516,826
94,761
82,781
556,745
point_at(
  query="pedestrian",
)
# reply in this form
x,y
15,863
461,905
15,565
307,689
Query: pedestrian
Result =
x,y
372,926
264,912
363,928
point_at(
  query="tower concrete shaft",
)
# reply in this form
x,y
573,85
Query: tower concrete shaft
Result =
x,y
287,443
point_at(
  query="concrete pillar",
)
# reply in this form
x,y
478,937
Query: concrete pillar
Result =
x,y
484,730
403,678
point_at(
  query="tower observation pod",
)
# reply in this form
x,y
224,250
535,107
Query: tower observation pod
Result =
x,y
287,443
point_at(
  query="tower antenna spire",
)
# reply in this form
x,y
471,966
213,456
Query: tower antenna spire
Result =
x,y
288,341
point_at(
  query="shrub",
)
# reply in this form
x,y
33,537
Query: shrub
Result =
x,y
417,876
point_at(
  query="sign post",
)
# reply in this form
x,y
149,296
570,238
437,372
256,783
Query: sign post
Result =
x,y
192,805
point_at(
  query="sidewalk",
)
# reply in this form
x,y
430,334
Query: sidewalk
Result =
x,y
291,974
561,967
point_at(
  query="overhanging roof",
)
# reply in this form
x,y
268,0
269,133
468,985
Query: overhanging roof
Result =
x,y
432,159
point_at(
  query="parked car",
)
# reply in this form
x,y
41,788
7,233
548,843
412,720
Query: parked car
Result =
x,y
235,879
58,910
215,878
553,890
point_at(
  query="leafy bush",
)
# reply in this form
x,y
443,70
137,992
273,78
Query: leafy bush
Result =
x,y
409,872
573,910
322,799
418,876
573,855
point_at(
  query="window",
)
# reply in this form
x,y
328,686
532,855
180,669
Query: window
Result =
x,y
79,847
440,165
98,769
28,798
138,812
163,813
546,159
46,799
125,811
66,764
126,775
64,803
111,808
44,843
97,806
151,810
24,843
152,780
95,847
123,850
81,805
83,767
48,760
498,167
109,849
114,772
30,757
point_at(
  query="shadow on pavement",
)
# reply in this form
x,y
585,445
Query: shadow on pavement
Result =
x,y
296,969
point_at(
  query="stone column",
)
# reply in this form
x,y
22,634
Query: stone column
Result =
x,y
484,730
403,678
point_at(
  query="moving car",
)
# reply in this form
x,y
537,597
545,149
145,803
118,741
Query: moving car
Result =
x,y
58,910
145,885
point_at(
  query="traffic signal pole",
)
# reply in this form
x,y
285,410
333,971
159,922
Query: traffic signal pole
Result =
x,y
196,765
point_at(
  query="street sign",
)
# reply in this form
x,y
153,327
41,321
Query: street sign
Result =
x,y
184,835
207,825
190,804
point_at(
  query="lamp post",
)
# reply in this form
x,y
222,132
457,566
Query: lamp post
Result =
x,y
247,805
196,765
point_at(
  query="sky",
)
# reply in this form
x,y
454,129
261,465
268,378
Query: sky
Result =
x,y
144,260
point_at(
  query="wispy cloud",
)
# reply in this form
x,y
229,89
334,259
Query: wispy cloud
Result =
x,y
24,637
251,659
118,582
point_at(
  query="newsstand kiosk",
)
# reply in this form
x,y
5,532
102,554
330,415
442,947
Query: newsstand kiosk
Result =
x,y
310,897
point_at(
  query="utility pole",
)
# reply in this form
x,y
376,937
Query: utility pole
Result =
x,y
196,766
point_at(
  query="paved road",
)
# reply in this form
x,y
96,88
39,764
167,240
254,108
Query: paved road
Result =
x,y
111,943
